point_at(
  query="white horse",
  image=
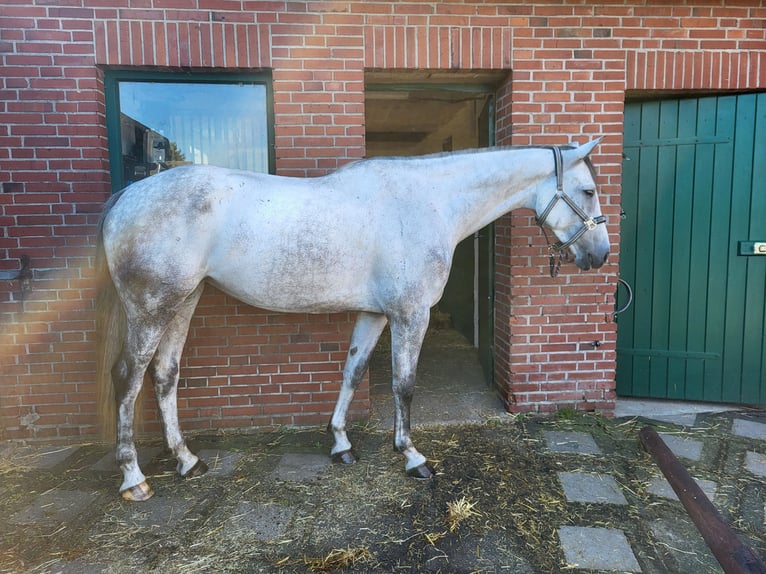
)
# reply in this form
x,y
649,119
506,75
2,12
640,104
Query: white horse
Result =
x,y
376,237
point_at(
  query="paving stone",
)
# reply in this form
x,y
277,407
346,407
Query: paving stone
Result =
x,y
755,462
682,413
661,487
76,567
751,506
749,429
300,467
597,549
107,463
158,511
682,420
571,441
683,447
220,462
485,553
679,538
54,505
265,522
592,488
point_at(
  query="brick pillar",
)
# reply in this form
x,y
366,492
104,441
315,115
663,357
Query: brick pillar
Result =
x,y
555,342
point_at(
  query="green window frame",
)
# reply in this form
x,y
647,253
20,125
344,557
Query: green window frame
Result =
x,y
156,125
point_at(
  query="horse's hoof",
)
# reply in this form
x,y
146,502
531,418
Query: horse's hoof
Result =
x,y
425,471
138,493
345,457
197,470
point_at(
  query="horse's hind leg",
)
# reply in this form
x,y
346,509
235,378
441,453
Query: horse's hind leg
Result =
x,y
367,330
128,375
164,370
406,341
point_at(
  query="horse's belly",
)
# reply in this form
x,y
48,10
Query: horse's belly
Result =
x,y
291,286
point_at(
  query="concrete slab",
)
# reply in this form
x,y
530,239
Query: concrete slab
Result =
x,y
755,462
40,457
752,510
220,462
680,419
300,467
54,506
597,549
749,429
158,511
77,567
683,447
591,488
683,542
658,486
571,441
265,522
676,412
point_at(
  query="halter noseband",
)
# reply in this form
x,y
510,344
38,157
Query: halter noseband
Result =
x,y
589,223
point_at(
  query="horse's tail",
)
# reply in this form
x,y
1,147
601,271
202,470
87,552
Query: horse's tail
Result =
x,y
111,326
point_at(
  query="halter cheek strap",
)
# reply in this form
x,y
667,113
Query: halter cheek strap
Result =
x,y
589,223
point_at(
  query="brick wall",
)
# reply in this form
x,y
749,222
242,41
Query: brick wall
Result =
x,y
572,69
571,64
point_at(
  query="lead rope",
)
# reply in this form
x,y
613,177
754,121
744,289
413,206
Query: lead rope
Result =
x,y
554,263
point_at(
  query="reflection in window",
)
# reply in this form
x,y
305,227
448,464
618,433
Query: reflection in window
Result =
x,y
167,124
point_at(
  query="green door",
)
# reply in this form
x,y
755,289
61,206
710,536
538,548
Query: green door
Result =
x,y
694,188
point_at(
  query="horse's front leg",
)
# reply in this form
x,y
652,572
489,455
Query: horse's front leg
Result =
x,y
406,341
367,330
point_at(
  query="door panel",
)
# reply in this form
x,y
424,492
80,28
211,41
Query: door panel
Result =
x,y
693,187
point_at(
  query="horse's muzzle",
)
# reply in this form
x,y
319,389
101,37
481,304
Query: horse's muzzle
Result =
x,y
588,261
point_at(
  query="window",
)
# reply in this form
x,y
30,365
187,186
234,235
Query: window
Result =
x,y
158,121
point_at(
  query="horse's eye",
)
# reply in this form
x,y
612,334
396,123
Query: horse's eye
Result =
x,y
589,192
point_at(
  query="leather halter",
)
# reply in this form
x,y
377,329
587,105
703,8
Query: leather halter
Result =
x,y
589,223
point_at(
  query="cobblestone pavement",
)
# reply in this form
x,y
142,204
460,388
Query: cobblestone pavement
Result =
x,y
606,512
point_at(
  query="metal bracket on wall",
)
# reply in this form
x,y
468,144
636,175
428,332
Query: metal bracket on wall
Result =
x,y
23,275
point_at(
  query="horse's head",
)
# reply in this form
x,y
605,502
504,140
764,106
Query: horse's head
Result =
x,y
569,207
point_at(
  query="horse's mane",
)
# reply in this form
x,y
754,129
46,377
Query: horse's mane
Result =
x,y
469,151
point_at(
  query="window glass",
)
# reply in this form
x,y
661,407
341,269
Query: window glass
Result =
x,y
166,124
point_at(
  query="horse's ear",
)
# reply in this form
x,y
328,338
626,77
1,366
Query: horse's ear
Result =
x,y
581,152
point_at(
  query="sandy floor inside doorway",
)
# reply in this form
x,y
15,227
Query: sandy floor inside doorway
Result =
x,y
451,386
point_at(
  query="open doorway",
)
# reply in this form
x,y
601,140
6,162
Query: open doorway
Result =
x,y
410,114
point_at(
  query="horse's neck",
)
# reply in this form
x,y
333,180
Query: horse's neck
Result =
x,y
489,184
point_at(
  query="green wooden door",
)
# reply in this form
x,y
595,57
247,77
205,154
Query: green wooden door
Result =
x,y
694,187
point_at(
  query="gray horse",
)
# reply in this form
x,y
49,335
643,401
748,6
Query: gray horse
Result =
x,y
376,237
